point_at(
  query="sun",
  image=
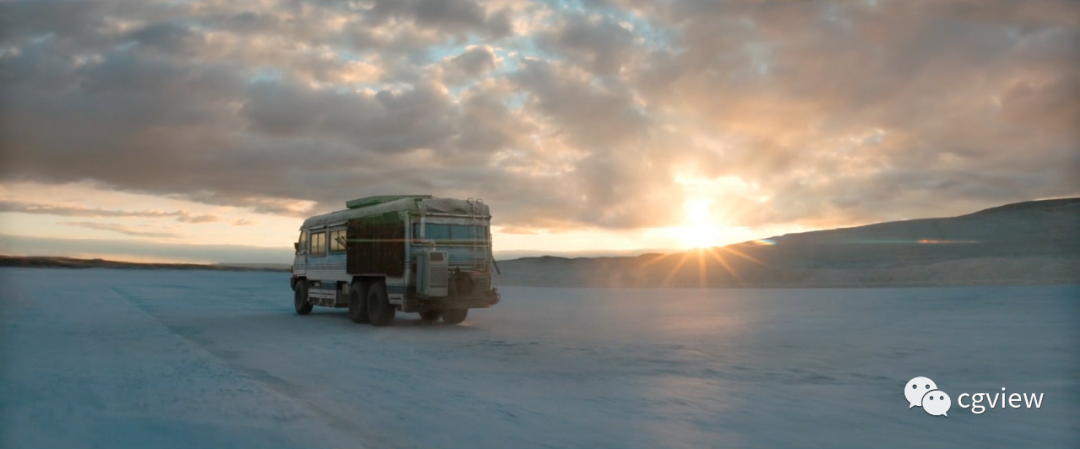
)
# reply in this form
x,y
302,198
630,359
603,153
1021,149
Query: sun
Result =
x,y
699,230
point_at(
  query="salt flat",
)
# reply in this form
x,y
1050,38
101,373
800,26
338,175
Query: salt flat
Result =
x,y
139,358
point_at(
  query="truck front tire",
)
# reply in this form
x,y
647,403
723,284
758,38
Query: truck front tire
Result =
x,y
358,311
300,301
454,316
380,312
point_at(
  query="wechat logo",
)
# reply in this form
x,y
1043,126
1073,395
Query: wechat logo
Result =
x,y
923,392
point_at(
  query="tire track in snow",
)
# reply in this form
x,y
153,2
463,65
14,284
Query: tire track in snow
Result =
x,y
292,392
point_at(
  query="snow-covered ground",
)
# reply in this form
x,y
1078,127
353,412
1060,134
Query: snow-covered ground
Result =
x,y
133,358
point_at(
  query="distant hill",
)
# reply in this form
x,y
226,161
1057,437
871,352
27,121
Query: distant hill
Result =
x,y
256,266
1022,243
1034,242
67,262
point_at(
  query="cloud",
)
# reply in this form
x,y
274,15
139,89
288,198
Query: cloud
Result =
x,y
601,115
599,43
474,62
187,218
69,211
596,115
452,17
114,227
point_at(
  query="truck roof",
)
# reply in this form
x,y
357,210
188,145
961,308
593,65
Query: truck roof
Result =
x,y
378,205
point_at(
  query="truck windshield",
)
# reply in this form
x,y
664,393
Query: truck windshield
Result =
x,y
448,232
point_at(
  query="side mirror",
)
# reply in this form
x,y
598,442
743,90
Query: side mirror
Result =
x,y
296,246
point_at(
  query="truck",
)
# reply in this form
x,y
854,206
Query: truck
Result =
x,y
397,253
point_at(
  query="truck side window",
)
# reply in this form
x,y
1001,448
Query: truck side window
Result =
x,y
318,243
459,232
435,231
336,239
445,232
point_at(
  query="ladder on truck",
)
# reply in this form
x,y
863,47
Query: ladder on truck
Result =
x,y
477,234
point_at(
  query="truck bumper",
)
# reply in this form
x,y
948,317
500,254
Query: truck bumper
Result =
x,y
477,301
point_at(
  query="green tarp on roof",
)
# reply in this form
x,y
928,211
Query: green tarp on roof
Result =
x,y
379,199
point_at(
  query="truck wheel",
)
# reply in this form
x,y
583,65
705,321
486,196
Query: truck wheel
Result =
x,y
454,316
357,303
431,316
380,312
303,307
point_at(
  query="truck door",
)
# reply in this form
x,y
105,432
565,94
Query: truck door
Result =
x,y
300,261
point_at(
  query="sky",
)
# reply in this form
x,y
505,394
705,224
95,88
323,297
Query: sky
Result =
x,y
206,131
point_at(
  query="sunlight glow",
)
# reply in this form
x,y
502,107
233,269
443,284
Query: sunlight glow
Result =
x,y
699,230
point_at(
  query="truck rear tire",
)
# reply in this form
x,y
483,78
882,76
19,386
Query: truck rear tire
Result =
x,y
300,301
357,303
454,316
431,316
380,312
